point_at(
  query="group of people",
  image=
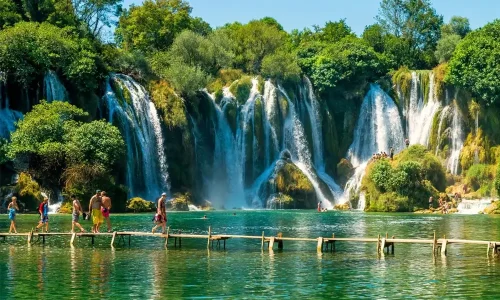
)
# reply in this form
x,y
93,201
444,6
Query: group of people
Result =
x,y
383,154
99,209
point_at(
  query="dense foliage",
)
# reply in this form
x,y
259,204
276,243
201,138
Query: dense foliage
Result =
x,y
405,183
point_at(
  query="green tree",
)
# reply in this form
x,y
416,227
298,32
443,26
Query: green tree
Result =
x,y
374,35
333,32
475,65
153,25
381,175
281,65
457,25
9,14
29,50
96,14
446,46
417,24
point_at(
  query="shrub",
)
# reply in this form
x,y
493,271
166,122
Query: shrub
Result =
x,y
381,175
66,208
29,191
241,89
140,205
478,175
497,179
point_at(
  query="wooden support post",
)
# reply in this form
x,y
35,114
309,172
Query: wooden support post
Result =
x,y
30,237
271,243
488,249
224,244
262,242
392,249
129,237
280,241
93,239
378,244
209,236
180,239
166,239
443,246
73,236
113,239
333,244
319,247
434,244
382,246
43,239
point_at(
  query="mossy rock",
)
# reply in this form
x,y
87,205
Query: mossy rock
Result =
x,y
493,208
345,171
170,106
241,89
343,206
290,180
122,94
180,202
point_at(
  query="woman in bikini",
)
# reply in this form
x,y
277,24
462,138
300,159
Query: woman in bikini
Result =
x,y
161,214
12,208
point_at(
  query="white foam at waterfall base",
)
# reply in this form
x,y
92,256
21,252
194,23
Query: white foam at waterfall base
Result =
x,y
472,207
378,129
420,115
193,207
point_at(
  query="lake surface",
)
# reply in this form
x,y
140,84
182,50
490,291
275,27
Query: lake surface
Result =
x,y
145,270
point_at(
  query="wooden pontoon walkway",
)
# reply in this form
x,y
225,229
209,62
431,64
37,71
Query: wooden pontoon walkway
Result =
x,y
384,244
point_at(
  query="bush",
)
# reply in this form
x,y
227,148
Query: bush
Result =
x,y
140,205
381,175
497,179
180,202
478,175
29,191
66,208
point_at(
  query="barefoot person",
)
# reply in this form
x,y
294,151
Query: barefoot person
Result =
x,y
161,214
12,208
77,210
95,208
105,209
43,209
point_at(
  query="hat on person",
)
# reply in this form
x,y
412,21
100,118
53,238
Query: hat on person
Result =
x,y
164,194
97,191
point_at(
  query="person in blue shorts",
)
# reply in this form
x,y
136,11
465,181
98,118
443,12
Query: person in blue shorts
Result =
x,y
43,209
12,208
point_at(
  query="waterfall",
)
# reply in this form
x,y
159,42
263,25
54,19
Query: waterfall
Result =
x,y
442,119
137,118
378,129
226,156
420,115
8,117
271,138
457,137
295,141
53,89
471,207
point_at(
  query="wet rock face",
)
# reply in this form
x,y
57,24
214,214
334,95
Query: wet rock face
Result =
x,y
345,171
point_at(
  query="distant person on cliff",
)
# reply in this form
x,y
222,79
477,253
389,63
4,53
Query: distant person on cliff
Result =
x,y
12,208
95,209
43,209
77,210
161,214
392,153
106,208
407,142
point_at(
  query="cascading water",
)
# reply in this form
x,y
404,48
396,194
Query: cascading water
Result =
x,y
457,140
378,129
53,89
471,207
420,114
137,119
8,117
442,118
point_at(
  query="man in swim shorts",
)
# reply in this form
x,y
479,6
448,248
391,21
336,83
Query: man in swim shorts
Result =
x,y
95,207
77,210
43,209
161,214
106,208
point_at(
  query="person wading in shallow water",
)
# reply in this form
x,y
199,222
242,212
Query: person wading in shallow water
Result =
x,y
77,210
106,208
95,208
43,209
161,214
12,208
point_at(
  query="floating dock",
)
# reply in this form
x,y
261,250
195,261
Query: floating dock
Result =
x,y
383,244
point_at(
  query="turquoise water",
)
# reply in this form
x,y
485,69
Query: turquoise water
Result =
x,y
145,270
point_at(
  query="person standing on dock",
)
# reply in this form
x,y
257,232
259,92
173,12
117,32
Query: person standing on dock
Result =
x,y
161,214
77,210
12,208
106,208
43,209
95,209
